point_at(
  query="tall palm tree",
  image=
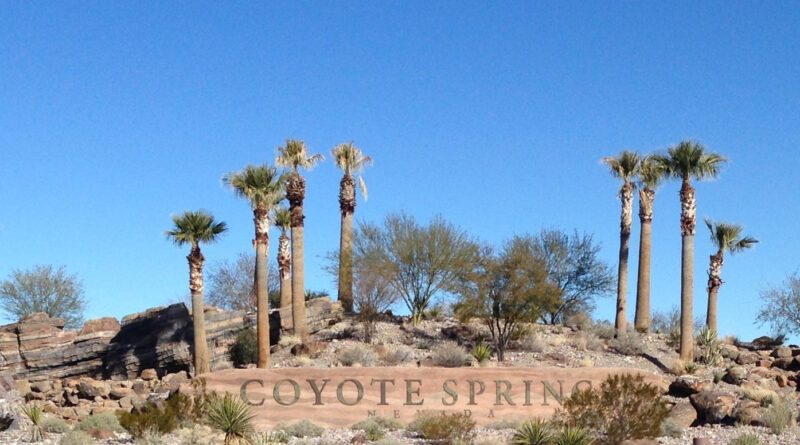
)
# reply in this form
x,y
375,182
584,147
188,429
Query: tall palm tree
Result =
x,y
283,221
685,161
625,166
295,156
651,174
194,228
350,159
262,186
728,237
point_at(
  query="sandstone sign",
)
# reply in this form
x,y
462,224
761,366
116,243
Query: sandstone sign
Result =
x,y
339,397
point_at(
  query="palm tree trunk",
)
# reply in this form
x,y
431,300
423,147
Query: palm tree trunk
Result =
x,y
347,205
284,265
688,220
201,359
261,219
714,282
641,321
626,195
295,193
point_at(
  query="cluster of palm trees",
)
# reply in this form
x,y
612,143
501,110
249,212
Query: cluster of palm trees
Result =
x,y
685,161
265,187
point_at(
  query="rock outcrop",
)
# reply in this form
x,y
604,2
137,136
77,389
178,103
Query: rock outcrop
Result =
x,y
161,338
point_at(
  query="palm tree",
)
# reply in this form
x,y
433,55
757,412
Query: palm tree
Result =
x,y
350,159
262,186
193,228
728,237
651,174
625,166
689,160
295,156
283,221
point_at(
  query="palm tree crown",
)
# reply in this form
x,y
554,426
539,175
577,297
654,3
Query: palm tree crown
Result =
x,y
262,185
728,237
690,160
195,227
351,160
625,166
295,156
651,172
282,218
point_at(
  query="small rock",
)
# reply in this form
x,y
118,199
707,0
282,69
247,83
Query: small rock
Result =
x,y
41,386
119,392
23,387
149,374
735,375
91,388
141,388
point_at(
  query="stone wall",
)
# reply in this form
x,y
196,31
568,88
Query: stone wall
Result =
x,y
37,347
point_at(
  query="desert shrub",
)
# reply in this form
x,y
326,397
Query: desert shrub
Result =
x,y
34,411
624,407
442,426
147,418
589,341
504,424
449,355
303,361
302,428
424,345
387,423
481,351
629,343
76,437
580,320
388,441
532,343
54,425
371,427
287,341
357,354
533,432
604,329
434,312
710,351
572,435
106,421
244,350
779,416
398,354
269,438
520,331
149,438
231,416
746,439
671,428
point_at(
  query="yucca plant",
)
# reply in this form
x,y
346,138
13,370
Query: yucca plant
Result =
x,y
709,347
533,432
34,412
233,417
573,435
481,351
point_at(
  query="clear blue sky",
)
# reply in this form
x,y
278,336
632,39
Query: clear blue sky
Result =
x,y
115,115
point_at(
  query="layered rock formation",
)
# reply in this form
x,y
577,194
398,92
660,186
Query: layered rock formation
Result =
x,y
37,347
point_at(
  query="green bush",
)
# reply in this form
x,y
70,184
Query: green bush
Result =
x,y
533,432
387,423
269,438
106,421
624,407
149,417
573,435
779,416
481,351
371,427
76,437
232,416
54,425
746,439
710,350
448,428
303,428
244,349
449,355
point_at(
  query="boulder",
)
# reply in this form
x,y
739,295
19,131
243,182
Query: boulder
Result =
x,y
686,385
746,412
90,389
747,358
782,352
683,413
735,375
105,324
713,406
149,374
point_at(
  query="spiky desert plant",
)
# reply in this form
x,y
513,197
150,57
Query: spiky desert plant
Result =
x,y
533,432
34,412
573,435
625,167
233,417
194,228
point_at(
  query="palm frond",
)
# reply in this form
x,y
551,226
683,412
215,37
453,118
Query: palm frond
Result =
x,y
261,185
349,158
728,236
295,156
363,186
690,160
282,218
192,227
624,166
652,171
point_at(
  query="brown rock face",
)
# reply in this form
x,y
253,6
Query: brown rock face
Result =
x,y
105,324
